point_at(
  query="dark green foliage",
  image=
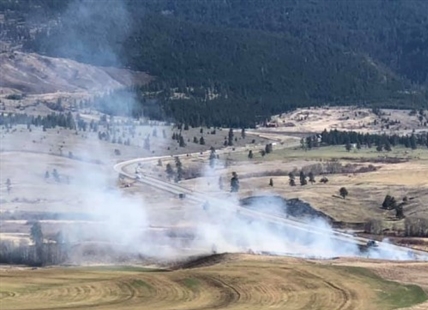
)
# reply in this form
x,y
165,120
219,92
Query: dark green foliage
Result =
x,y
311,177
343,192
250,154
230,137
389,203
181,142
179,166
348,146
324,180
294,53
202,141
270,182
36,234
302,178
335,137
268,148
234,183
169,171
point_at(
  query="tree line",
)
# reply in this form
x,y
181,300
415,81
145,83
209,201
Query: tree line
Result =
x,y
380,141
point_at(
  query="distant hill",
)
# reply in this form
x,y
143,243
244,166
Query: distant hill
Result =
x,y
233,62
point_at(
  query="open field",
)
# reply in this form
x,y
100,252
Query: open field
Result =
x,y
233,282
315,120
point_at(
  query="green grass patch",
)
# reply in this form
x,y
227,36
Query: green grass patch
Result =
x,y
391,295
141,284
191,283
332,152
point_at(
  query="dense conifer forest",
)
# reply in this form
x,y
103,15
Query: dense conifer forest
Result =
x,y
234,63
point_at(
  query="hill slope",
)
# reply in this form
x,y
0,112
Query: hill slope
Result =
x,y
233,63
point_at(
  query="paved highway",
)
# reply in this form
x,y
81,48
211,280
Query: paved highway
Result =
x,y
202,198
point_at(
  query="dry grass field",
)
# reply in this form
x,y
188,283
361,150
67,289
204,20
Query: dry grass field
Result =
x,y
219,282
366,189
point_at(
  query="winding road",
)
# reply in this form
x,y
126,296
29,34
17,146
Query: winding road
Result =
x,y
200,197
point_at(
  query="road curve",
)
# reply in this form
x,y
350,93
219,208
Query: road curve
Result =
x,y
202,198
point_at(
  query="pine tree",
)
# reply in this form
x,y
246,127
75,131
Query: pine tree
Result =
x,y
311,178
302,178
230,138
169,170
243,133
343,192
179,167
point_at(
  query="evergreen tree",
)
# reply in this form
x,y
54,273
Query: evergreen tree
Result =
x,y
179,167
181,141
302,177
343,192
250,154
311,177
413,142
234,183
169,171
202,141
230,137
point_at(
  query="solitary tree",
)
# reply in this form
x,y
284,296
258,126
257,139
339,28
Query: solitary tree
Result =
x,y
324,180
202,141
250,154
234,183
181,141
399,211
311,177
292,182
270,182
302,177
343,192
243,133
36,236
348,146
389,203
169,171
179,167
230,137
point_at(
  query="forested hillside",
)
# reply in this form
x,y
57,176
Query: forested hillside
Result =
x,y
235,62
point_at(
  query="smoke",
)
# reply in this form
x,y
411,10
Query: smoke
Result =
x,y
126,219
